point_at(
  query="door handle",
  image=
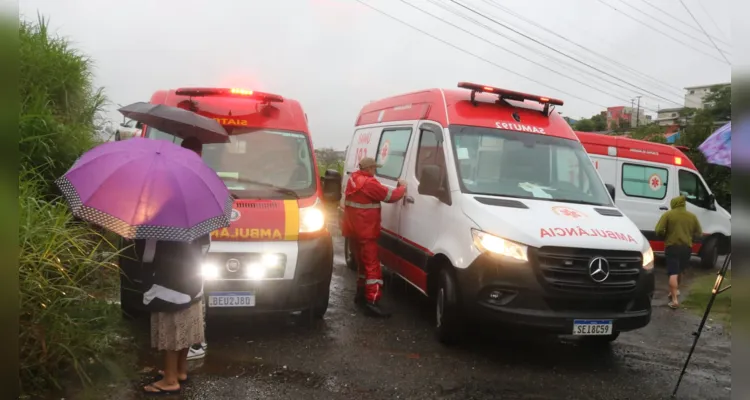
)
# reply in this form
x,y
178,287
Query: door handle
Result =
x,y
408,200
663,208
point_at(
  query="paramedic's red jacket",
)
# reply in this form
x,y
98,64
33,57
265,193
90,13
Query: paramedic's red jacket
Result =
x,y
363,196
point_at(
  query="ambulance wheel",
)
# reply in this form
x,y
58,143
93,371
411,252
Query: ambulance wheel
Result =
x,y
448,321
709,253
349,256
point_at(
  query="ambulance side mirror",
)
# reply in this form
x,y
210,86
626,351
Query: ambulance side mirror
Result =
x,y
332,186
611,190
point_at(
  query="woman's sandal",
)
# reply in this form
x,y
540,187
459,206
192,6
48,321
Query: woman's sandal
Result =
x,y
159,391
673,305
160,376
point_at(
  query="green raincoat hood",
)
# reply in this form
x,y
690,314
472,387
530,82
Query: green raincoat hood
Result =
x,y
677,202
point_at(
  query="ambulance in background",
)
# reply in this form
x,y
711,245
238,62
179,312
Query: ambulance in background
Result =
x,y
495,225
646,176
277,254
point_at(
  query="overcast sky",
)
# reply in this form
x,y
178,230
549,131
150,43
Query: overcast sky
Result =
x,y
334,56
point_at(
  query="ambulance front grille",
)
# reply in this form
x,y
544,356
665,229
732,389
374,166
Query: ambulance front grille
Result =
x,y
566,271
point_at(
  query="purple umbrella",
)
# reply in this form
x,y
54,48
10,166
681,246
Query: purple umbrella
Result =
x,y
718,147
147,189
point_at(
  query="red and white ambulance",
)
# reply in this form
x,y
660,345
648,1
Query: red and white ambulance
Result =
x,y
646,176
505,217
277,254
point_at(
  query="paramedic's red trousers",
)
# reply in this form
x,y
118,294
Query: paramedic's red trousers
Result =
x,y
369,273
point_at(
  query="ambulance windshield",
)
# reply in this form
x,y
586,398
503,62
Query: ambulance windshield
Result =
x,y
260,163
525,165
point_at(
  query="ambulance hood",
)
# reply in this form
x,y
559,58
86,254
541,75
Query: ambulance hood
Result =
x,y
548,223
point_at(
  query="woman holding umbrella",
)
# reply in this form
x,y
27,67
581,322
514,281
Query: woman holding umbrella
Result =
x,y
168,201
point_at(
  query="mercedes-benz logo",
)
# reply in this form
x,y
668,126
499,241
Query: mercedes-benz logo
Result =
x,y
599,269
233,265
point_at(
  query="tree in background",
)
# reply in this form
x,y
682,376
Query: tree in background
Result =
x,y
597,123
651,132
699,125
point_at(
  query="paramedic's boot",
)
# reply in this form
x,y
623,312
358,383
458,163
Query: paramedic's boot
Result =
x,y
359,298
376,310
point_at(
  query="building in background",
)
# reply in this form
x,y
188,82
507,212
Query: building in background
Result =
x,y
695,95
615,115
668,116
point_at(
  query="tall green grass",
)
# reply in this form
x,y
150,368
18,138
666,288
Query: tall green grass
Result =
x,y
67,270
59,103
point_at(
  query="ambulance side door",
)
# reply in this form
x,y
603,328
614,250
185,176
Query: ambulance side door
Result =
x,y
422,213
643,193
392,153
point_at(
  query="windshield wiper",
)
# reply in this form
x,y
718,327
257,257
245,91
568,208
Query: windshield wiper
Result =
x,y
277,189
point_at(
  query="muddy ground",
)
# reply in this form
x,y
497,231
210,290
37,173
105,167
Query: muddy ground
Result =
x,y
348,355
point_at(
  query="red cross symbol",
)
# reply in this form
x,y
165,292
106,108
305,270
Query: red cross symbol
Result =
x,y
568,212
384,151
655,181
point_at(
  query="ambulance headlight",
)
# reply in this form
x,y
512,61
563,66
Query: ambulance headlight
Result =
x,y
648,258
311,219
209,271
497,245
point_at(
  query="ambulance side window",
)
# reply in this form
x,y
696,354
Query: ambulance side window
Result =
x,y
692,188
644,181
392,152
430,152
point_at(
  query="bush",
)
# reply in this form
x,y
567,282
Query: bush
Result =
x,y
66,269
59,104
66,273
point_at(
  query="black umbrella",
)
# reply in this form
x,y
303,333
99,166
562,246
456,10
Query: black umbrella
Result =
x,y
176,121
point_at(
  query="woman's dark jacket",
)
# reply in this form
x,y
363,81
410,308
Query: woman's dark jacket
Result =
x,y
173,281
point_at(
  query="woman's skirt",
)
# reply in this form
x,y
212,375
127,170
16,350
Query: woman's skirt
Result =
x,y
178,330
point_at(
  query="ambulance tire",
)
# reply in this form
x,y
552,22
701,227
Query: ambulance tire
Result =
x,y
448,322
709,253
349,256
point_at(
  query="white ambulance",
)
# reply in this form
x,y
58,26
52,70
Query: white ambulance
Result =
x,y
646,176
505,217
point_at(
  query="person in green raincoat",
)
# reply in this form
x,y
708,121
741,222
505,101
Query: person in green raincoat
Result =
x,y
678,227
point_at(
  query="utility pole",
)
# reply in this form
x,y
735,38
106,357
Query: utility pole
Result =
x,y
638,113
631,112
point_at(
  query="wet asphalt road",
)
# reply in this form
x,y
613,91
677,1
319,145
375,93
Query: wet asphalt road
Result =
x,y
348,355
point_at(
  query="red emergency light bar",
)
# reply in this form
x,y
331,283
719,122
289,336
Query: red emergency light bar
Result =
x,y
233,92
508,94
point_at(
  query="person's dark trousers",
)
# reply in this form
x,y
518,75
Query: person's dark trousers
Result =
x,y
678,259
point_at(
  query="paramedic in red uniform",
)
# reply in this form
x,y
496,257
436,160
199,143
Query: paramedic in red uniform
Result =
x,y
361,225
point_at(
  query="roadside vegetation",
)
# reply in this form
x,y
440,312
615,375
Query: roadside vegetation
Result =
x,y
67,270
699,295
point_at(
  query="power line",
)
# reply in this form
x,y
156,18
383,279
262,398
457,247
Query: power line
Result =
x,y
561,53
710,18
665,86
656,30
552,59
507,50
704,31
475,55
669,14
700,40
